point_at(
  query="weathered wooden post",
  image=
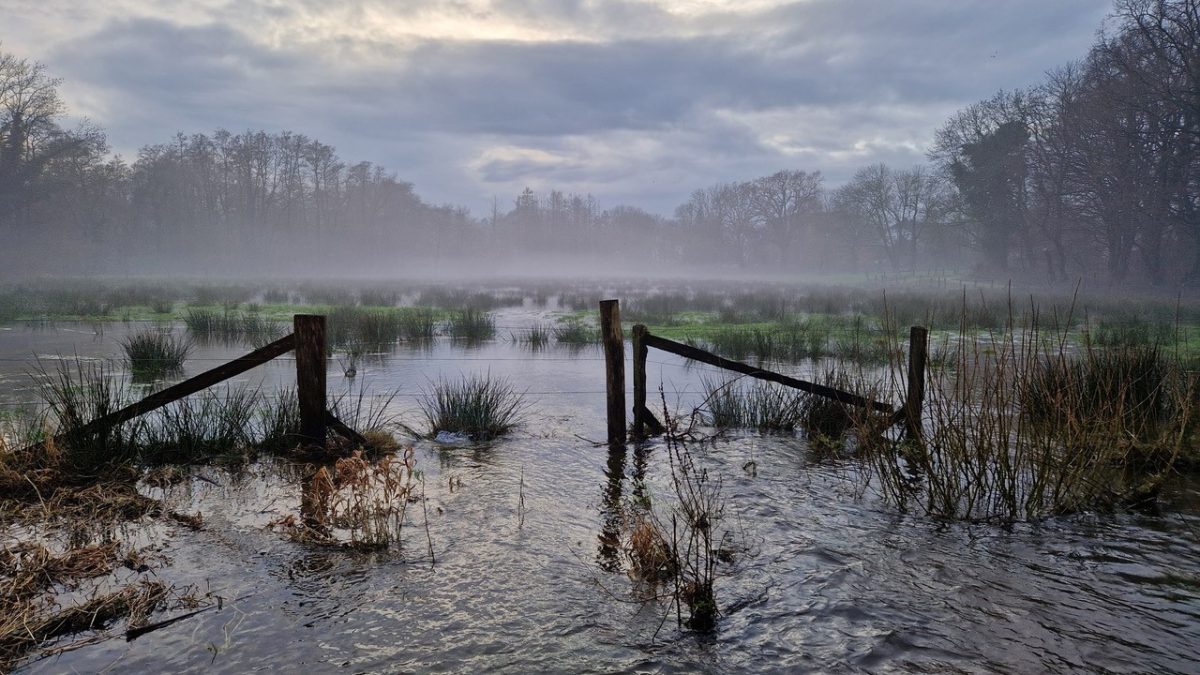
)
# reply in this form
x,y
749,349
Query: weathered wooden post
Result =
x,y
309,330
614,366
640,351
918,346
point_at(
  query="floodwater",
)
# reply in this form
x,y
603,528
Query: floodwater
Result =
x,y
827,579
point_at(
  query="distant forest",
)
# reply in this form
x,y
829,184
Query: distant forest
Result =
x,y
1094,172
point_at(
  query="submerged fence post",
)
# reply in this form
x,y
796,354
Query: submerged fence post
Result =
x,y
614,367
640,351
918,346
309,330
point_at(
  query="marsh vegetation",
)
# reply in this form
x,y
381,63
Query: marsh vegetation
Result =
x,y
1029,417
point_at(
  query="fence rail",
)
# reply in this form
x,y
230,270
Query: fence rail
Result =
x,y
308,342
643,341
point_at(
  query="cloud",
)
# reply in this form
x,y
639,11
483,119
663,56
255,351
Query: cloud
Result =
x,y
634,101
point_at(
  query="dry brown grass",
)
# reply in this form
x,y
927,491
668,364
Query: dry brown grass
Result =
x,y
361,503
27,624
647,548
29,569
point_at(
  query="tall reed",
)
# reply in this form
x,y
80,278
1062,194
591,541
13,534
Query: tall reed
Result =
x,y
1018,425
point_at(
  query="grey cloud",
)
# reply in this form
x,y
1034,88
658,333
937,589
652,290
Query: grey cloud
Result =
x,y
431,109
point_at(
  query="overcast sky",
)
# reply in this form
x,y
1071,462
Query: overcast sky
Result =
x,y
636,102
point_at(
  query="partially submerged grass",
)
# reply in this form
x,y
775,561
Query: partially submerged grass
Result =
x,y
369,414
155,353
360,503
230,325
1013,431
74,396
536,337
479,406
792,340
575,332
471,325
216,424
752,404
418,324
826,421
210,424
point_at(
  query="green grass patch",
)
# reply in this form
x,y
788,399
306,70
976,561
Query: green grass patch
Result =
x,y
478,406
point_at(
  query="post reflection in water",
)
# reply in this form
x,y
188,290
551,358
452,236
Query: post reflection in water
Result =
x,y
609,539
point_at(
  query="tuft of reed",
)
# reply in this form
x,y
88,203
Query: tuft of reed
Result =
x,y
825,420
1018,426
735,404
418,324
479,406
576,333
471,325
200,427
76,395
279,421
536,337
155,353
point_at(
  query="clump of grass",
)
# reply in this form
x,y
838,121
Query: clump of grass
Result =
x,y
155,353
471,325
279,421
199,427
380,327
576,333
259,332
365,412
479,406
230,325
1133,331
827,420
535,338
418,324
1125,383
208,323
739,344
735,404
76,396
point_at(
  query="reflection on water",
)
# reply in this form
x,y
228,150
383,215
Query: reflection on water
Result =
x,y
834,582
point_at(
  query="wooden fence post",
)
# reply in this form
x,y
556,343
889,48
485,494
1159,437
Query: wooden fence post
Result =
x,y
640,351
309,330
614,362
918,346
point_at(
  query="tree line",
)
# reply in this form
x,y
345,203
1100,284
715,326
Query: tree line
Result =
x,y
1093,172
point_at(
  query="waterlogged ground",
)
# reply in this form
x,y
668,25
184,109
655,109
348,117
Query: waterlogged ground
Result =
x,y
827,579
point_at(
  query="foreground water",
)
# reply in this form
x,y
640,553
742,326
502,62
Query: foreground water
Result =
x,y
828,578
